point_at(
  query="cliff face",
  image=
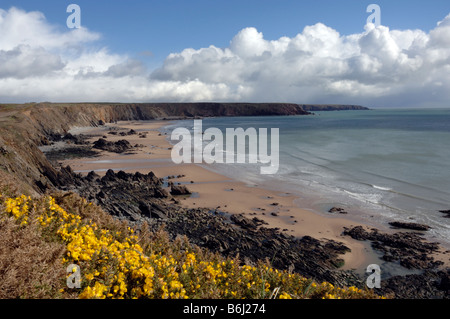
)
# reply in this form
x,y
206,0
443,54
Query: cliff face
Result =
x,y
25,127
84,113
58,118
332,107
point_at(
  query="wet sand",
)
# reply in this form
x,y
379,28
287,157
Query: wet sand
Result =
x,y
213,190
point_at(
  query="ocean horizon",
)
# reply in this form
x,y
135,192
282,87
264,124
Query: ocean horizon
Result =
x,y
380,165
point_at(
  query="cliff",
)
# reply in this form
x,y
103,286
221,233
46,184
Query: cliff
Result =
x,y
23,128
84,114
332,107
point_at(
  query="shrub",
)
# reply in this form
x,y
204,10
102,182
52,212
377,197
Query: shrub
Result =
x,y
118,261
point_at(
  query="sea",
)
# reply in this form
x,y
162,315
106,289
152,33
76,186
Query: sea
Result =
x,y
380,165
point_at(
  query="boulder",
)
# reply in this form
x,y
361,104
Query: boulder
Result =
x,y
115,147
179,190
337,210
76,139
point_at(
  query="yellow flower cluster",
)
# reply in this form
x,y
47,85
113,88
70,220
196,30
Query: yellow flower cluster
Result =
x,y
285,296
114,265
19,208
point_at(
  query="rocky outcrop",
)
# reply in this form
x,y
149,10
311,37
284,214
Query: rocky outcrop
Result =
x,y
237,235
127,196
141,198
411,226
409,249
428,285
120,146
339,210
179,190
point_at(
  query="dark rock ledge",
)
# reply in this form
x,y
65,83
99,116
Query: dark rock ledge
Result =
x,y
141,198
411,251
120,146
408,248
411,226
337,210
446,212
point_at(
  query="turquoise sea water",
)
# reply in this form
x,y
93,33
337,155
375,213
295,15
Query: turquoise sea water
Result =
x,y
381,165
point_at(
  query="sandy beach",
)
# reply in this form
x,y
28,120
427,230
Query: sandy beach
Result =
x,y
213,190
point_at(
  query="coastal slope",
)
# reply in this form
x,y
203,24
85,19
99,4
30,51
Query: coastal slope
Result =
x,y
25,127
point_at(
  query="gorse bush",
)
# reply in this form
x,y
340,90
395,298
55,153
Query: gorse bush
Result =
x,y
118,261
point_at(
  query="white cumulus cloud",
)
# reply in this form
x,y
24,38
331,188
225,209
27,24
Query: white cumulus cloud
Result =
x,y
376,67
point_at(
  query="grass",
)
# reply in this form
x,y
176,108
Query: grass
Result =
x,y
40,237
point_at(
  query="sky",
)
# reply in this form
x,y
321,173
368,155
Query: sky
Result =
x,y
317,52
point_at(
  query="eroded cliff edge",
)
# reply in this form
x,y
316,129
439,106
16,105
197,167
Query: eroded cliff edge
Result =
x,y
23,128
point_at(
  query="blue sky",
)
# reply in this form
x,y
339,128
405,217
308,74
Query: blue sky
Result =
x,y
210,50
166,26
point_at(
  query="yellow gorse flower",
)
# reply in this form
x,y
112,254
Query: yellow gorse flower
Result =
x,y
114,264
19,208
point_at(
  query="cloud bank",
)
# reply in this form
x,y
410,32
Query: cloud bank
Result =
x,y
377,67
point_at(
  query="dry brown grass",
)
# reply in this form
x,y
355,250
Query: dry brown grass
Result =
x,y
29,266
30,260
10,186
